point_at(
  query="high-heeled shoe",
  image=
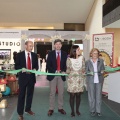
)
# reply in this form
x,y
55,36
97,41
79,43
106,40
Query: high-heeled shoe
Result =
x,y
72,114
78,113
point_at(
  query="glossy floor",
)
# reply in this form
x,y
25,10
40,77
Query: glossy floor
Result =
x,y
5,114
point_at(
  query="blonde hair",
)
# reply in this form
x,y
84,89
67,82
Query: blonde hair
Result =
x,y
94,49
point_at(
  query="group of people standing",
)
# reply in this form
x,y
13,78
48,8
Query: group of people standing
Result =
x,y
57,62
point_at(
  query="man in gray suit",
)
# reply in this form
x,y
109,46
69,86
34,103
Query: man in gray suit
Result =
x,y
95,70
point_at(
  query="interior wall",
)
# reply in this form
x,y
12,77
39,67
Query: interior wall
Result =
x,y
116,53
94,21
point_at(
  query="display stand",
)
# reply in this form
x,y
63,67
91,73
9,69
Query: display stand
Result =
x,y
12,83
114,87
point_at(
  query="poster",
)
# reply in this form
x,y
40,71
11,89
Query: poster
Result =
x,y
104,42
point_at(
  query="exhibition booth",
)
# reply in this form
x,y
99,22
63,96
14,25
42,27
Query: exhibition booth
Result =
x,y
13,41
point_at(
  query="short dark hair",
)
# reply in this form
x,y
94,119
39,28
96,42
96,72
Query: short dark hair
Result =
x,y
57,40
26,42
73,51
100,55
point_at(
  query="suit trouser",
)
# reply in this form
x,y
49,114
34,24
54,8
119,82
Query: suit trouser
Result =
x,y
21,97
57,81
94,96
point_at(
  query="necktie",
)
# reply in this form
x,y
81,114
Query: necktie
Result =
x,y
58,61
28,62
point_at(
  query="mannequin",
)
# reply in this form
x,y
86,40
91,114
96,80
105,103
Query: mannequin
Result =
x,y
39,62
43,69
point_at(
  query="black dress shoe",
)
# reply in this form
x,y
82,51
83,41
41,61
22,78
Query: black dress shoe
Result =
x,y
29,112
61,111
78,113
99,114
50,112
72,114
92,113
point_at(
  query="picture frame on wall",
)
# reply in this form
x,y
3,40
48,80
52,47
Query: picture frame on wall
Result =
x,y
5,54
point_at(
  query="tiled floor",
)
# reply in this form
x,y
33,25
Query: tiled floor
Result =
x,y
5,114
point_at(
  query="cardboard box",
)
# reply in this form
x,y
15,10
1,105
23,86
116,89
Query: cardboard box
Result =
x,y
3,87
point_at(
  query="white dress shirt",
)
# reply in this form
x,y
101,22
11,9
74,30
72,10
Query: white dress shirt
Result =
x,y
59,53
96,80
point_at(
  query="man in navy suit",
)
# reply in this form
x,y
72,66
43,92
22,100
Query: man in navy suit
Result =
x,y
56,63
26,59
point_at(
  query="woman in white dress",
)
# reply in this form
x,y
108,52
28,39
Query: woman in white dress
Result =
x,y
39,62
43,68
75,70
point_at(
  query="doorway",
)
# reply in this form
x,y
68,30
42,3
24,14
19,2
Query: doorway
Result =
x,y
43,48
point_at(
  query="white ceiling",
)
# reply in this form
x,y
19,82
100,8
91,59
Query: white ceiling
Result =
x,y
26,12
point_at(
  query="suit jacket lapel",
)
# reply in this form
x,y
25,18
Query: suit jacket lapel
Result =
x,y
61,58
54,58
98,63
32,59
91,62
24,59
91,65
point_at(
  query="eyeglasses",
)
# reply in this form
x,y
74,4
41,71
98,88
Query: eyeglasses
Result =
x,y
94,53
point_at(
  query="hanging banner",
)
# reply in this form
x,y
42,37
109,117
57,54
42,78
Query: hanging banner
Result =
x,y
10,33
104,42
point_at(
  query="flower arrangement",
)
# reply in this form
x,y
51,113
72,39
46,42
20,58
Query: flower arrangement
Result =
x,y
24,37
53,38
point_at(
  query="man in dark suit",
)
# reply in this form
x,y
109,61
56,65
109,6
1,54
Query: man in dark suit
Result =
x,y
56,63
26,59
